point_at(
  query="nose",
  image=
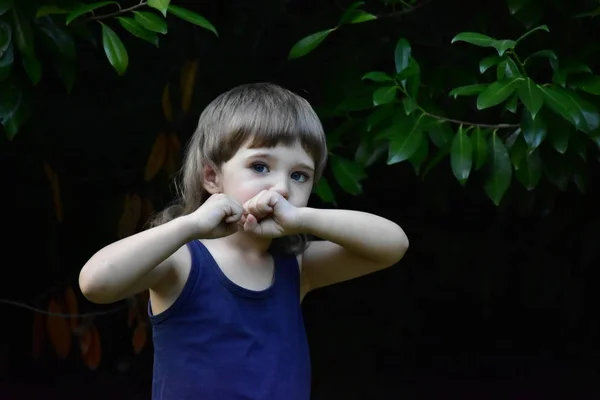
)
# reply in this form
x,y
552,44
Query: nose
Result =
x,y
281,186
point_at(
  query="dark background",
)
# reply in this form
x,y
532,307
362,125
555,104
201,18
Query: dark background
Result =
x,y
489,302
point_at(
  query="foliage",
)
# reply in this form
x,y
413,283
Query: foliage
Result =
x,y
548,122
500,113
28,29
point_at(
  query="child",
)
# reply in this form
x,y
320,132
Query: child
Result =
x,y
228,264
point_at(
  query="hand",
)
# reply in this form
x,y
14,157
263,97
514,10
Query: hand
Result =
x,y
268,214
218,216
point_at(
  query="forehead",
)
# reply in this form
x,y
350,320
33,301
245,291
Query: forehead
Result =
x,y
291,153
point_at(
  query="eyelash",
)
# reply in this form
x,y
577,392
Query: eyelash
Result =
x,y
254,165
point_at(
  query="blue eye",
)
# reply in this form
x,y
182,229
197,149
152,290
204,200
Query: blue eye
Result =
x,y
300,176
260,168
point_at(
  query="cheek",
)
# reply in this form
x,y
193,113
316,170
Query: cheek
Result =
x,y
243,190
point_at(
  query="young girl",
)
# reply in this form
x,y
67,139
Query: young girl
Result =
x,y
229,263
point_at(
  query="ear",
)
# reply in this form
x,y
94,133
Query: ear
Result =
x,y
211,179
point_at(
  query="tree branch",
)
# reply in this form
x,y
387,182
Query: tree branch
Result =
x,y
404,11
459,122
116,13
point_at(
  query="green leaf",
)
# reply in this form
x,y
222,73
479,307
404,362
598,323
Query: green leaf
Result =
x,y
468,90
323,190
489,62
5,37
507,69
550,54
402,55
419,156
151,21
537,28
480,147
114,49
534,130
384,95
497,92
500,174
503,45
369,151
160,5
581,176
530,170
511,105
406,139
33,68
6,62
380,115
515,5
5,5
461,156
137,30
559,137
61,43
50,10
531,96
14,112
440,133
23,33
193,18
377,76
359,16
590,85
474,38
410,105
348,13
348,174
86,8
556,169
573,108
308,44
518,148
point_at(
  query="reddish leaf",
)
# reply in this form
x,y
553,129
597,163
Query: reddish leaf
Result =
x,y
58,330
71,306
131,215
173,154
133,315
139,338
55,187
188,80
93,348
157,157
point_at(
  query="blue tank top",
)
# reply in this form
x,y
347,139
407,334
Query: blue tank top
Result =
x,y
221,341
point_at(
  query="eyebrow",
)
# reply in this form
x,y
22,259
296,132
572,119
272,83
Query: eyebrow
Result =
x,y
270,157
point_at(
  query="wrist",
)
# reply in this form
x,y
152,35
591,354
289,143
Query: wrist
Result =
x,y
304,223
187,227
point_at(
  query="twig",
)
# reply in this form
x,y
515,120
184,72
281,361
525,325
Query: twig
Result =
x,y
85,315
404,11
459,122
114,14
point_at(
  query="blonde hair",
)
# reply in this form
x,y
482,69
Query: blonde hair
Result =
x,y
260,114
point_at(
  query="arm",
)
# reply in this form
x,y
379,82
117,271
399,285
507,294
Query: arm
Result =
x,y
135,263
355,244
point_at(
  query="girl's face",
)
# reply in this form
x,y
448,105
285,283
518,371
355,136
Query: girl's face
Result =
x,y
288,170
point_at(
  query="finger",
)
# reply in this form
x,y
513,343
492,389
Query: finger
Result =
x,y
251,223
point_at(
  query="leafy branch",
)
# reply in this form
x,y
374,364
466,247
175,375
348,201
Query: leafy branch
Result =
x,y
116,13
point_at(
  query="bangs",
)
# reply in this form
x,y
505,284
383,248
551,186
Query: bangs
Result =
x,y
264,117
262,127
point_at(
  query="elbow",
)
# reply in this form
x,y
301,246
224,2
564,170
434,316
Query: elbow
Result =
x,y
400,247
92,286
